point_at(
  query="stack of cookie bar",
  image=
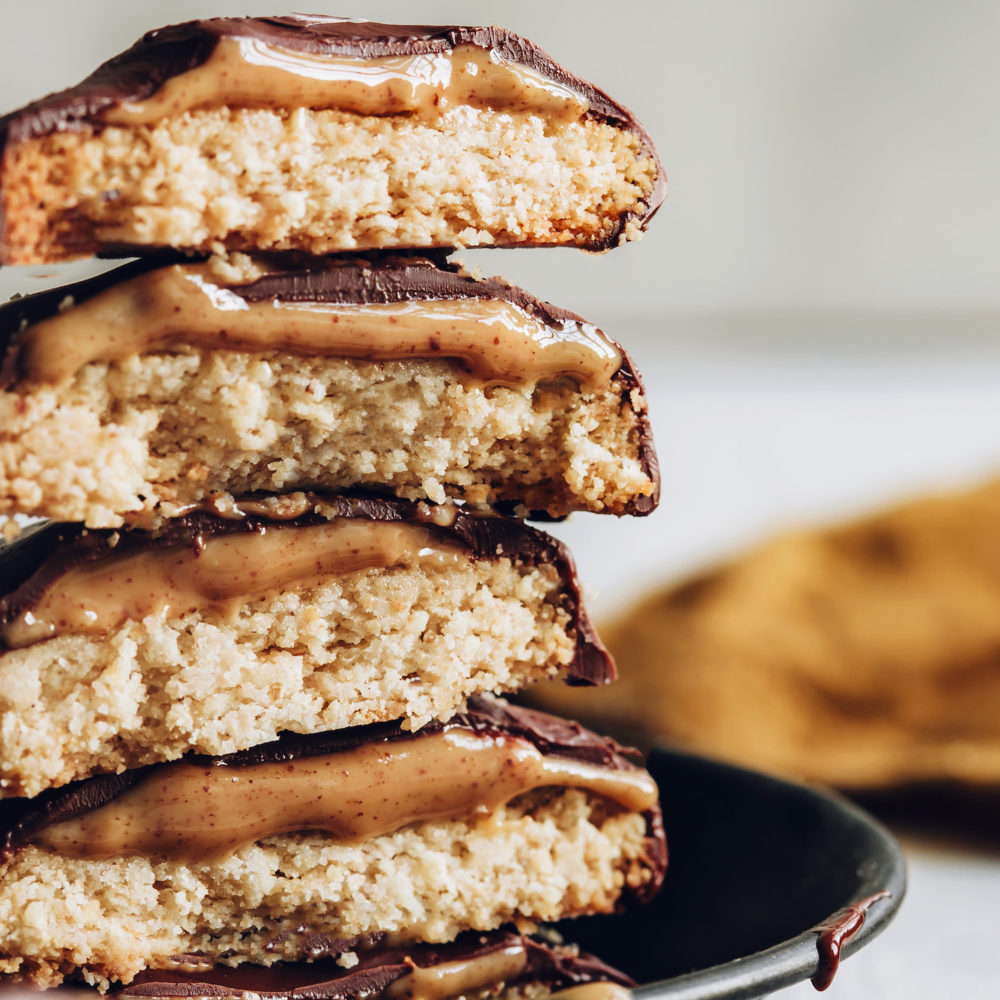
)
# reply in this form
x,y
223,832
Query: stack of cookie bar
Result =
x,y
250,667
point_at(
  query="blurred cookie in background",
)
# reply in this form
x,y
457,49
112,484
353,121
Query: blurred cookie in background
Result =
x,y
864,655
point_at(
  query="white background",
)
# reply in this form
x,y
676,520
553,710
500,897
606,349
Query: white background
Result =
x,y
815,308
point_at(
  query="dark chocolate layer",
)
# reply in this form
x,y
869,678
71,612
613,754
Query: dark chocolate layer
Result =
x,y
21,819
555,967
38,556
359,280
140,71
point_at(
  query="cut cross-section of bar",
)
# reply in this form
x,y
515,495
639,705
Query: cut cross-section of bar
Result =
x,y
328,843
167,383
216,631
323,135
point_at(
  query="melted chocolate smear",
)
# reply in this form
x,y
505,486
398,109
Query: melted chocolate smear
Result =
x,y
555,967
835,932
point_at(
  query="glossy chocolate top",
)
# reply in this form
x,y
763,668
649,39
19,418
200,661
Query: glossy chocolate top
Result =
x,y
39,555
22,819
159,55
552,966
358,280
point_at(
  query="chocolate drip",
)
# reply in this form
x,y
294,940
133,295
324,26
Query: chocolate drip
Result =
x,y
555,967
22,819
835,932
358,280
139,72
30,564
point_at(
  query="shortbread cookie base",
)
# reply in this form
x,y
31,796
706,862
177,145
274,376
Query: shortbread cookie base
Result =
x,y
371,646
547,856
323,181
125,435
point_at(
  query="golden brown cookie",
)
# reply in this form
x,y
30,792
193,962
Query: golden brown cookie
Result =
x,y
168,380
324,845
223,627
323,134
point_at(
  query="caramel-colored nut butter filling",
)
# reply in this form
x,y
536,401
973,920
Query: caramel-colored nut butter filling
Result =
x,y
592,991
195,813
248,72
227,570
496,342
453,979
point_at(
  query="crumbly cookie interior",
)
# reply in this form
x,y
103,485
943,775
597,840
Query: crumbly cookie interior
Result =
x,y
324,181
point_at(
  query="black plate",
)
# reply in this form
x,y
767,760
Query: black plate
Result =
x,y
756,864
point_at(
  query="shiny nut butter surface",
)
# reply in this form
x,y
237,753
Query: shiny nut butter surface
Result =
x,y
496,342
594,991
194,813
247,72
228,570
452,979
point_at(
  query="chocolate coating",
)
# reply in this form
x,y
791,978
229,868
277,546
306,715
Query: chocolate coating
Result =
x,y
557,968
360,280
140,71
39,555
485,716
834,932
20,819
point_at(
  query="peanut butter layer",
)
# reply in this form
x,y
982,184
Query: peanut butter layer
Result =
x,y
418,972
61,578
222,573
196,813
323,63
248,71
496,341
353,783
458,977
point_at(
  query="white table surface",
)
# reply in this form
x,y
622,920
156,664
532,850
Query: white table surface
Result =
x,y
765,423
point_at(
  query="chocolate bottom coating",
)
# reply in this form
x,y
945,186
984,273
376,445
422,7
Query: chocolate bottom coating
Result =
x,y
548,965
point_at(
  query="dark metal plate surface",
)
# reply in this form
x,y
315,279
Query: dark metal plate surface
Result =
x,y
756,866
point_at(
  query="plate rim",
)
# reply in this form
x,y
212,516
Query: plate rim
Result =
x,y
796,959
